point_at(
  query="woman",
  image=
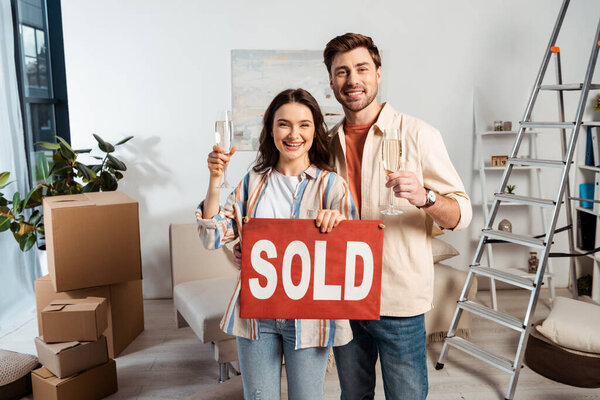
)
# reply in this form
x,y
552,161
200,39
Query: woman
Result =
x,y
291,179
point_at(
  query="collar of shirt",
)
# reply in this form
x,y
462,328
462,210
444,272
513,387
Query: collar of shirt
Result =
x,y
311,172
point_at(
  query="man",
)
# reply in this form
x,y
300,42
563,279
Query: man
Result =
x,y
427,189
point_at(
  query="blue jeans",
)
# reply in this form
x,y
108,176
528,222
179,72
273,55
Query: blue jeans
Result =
x,y
260,364
400,341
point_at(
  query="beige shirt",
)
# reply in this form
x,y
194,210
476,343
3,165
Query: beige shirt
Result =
x,y
407,282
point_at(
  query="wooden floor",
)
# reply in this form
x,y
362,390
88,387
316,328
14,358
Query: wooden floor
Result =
x,y
169,363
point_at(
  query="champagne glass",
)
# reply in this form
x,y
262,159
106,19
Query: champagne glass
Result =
x,y
391,156
223,138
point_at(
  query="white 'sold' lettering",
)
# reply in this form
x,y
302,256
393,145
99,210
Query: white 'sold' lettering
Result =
x,y
321,291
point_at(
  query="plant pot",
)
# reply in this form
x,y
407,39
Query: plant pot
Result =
x,y
42,256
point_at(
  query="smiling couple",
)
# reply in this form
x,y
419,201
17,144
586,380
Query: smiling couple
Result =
x,y
300,167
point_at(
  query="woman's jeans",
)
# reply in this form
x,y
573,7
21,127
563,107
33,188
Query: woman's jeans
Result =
x,y
400,342
260,364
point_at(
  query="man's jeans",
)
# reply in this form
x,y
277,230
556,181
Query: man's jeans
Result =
x,y
260,363
400,341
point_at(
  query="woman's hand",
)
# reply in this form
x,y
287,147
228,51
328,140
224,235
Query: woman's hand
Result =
x,y
218,160
328,219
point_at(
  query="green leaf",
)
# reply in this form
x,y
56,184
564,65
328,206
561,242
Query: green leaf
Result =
x,y
36,216
61,169
93,186
96,167
47,145
42,167
115,163
34,197
14,227
108,182
41,230
4,223
6,184
3,201
27,241
83,151
16,201
104,146
98,158
127,139
118,175
4,177
87,173
64,143
67,153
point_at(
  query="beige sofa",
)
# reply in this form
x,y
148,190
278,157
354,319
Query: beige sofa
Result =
x,y
203,281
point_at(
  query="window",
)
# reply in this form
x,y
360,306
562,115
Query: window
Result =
x,y
39,56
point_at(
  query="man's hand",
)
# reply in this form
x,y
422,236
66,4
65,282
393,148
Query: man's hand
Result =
x,y
328,219
407,186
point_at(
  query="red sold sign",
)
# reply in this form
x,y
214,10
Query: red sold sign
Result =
x,y
292,270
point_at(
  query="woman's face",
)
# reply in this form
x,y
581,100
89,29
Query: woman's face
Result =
x,y
293,133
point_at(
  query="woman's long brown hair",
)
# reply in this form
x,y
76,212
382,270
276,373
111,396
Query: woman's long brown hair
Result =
x,y
268,155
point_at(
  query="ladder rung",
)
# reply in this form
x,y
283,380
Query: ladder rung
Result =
x,y
535,162
557,125
503,276
478,352
514,238
569,86
534,201
501,318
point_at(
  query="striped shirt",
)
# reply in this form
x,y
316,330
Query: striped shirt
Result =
x,y
317,190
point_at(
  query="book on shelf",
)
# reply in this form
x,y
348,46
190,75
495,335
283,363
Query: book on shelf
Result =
x,y
589,153
595,145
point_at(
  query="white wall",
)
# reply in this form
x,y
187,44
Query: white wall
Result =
x,y
159,70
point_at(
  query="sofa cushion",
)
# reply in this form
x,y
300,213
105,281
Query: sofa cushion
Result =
x,y
202,303
442,251
573,324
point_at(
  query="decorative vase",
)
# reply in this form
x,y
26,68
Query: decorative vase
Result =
x,y
533,262
505,225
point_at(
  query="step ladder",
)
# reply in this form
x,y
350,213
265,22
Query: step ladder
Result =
x,y
522,326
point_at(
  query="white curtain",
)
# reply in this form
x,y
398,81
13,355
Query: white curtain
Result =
x,y
17,270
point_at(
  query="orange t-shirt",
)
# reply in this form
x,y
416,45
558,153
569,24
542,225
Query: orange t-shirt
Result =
x,y
355,135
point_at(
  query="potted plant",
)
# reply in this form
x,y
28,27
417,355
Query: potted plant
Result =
x,y
59,174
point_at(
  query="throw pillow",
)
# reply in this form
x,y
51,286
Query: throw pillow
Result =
x,y
442,251
573,324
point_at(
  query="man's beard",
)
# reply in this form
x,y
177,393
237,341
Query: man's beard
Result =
x,y
356,105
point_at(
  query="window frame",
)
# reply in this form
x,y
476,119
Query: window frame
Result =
x,y
58,79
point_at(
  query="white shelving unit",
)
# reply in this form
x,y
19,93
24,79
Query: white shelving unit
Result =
x,y
586,174
530,174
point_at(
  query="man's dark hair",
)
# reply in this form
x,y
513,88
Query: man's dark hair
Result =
x,y
268,155
347,42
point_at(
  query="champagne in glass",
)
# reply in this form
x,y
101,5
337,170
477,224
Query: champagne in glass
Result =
x,y
391,156
223,138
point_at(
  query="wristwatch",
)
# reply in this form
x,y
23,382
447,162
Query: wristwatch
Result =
x,y
430,198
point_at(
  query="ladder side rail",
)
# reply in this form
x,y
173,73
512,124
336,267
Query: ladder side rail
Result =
x,y
545,61
570,151
484,206
567,195
531,102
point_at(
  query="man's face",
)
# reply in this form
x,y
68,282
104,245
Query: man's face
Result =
x,y
354,79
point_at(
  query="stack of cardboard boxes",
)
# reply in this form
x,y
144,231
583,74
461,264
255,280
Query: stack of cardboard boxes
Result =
x,y
90,306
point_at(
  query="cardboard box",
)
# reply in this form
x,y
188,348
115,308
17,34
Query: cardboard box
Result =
x,y
66,320
92,239
125,309
93,384
68,358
